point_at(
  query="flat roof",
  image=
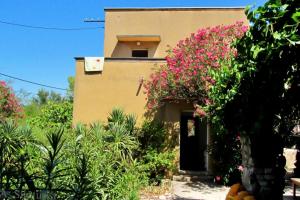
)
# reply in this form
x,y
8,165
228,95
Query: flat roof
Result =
x,y
174,8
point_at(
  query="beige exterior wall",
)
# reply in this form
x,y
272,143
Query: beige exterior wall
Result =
x,y
171,25
96,94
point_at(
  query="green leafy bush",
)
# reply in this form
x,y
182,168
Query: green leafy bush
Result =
x,y
155,159
226,158
156,164
152,136
86,163
103,161
54,114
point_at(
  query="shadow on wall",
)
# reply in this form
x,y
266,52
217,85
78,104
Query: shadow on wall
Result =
x,y
172,130
172,126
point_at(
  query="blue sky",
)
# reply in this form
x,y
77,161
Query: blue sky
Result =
x,y
47,56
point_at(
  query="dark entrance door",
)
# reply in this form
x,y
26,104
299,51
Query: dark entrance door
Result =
x,y
193,142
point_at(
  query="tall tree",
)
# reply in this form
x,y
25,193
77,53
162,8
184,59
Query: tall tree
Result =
x,y
70,93
266,107
42,97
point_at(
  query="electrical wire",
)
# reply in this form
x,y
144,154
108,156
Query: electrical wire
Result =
x,y
50,28
34,83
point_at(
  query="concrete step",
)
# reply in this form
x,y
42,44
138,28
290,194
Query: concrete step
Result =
x,y
192,178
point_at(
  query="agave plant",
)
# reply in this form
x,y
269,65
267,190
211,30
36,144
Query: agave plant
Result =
x,y
130,123
117,116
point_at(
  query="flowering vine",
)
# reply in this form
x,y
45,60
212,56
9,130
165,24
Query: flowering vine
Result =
x,y
9,104
192,65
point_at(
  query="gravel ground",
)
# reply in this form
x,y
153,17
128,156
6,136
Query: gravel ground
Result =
x,y
198,190
203,191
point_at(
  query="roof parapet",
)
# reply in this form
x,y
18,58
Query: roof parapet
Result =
x,y
174,8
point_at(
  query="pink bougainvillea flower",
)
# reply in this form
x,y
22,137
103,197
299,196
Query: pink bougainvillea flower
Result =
x,y
187,72
9,104
217,179
240,168
2,83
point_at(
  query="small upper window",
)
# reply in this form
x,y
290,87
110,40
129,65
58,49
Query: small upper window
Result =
x,y
140,53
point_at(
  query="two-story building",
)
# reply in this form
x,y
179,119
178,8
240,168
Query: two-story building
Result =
x,y
136,40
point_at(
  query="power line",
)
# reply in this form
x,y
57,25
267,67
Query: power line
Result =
x,y
50,28
34,83
93,20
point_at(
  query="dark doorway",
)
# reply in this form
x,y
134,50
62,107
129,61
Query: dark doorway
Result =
x,y
193,142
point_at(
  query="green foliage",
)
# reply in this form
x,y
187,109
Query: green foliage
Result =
x,y
32,110
82,187
268,95
52,158
118,117
113,171
156,164
259,97
43,97
258,93
102,161
70,93
14,158
226,158
156,160
87,163
152,136
54,115
35,108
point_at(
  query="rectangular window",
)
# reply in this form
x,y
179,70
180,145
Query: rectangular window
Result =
x,y
141,53
191,127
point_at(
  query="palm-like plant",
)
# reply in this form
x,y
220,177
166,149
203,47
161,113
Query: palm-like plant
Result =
x,y
82,187
52,169
117,116
14,158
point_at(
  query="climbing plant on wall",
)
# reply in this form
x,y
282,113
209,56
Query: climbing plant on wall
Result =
x,y
199,70
192,66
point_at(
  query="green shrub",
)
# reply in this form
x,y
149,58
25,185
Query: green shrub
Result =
x,y
155,159
103,161
87,163
152,135
54,114
111,147
156,165
127,121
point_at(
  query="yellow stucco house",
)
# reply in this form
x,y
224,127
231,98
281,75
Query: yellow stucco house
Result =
x,y
136,41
